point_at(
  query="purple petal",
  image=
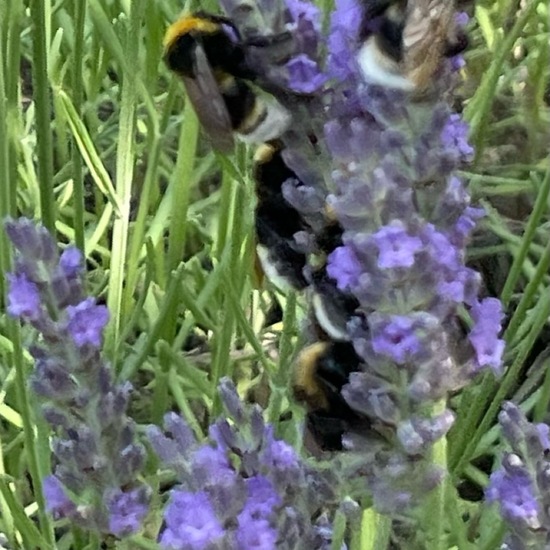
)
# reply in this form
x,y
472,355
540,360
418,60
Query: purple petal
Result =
x,y
305,76
487,316
86,322
395,337
396,247
514,493
71,262
127,510
344,267
191,523
23,297
57,502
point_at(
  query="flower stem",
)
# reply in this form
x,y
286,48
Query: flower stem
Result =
x,y
435,507
79,14
375,530
37,466
40,13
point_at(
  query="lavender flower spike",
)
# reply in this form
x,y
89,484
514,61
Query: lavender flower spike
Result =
x,y
96,454
405,220
521,487
380,160
240,489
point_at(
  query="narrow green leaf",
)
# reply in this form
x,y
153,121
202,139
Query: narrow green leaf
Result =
x,y
486,25
28,530
89,152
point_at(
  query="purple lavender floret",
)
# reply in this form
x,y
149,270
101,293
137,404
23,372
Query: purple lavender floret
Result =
x,y
191,522
513,489
304,74
487,315
255,528
521,486
58,503
86,321
342,40
23,298
344,267
70,262
242,488
396,248
96,454
398,336
127,509
455,138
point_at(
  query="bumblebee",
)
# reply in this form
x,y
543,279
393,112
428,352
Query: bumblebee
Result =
x,y
320,372
277,221
276,224
405,41
206,51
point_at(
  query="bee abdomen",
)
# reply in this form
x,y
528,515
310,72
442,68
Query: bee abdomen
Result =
x,y
320,372
240,101
277,221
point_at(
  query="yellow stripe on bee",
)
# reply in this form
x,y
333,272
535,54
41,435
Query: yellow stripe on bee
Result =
x,y
305,384
225,81
186,24
264,153
330,213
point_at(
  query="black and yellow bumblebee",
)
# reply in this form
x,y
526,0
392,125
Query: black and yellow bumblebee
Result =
x,y
403,42
276,221
276,224
320,372
206,51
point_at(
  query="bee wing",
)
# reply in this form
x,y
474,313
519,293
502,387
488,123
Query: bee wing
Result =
x,y
424,38
204,93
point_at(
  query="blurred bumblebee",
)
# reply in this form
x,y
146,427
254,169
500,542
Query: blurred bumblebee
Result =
x,y
206,51
281,261
320,372
277,221
405,42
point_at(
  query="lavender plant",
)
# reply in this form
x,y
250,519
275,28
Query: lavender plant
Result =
x,y
410,308
97,459
521,485
242,488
